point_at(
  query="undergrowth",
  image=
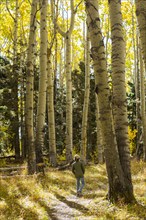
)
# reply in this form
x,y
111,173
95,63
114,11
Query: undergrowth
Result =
x,y
43,197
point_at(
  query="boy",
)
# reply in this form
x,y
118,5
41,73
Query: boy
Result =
x,y
78,170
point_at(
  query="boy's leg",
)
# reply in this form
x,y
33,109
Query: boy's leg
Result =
x,y
78,185
82,184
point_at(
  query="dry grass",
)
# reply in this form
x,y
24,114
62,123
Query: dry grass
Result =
x,y
53,196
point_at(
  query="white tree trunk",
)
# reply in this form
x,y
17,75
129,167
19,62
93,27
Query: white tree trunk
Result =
x,y
119,102
69,129
51,116
118,188
86,99
67,36
30,90
41,108
143,103
141,18
99,142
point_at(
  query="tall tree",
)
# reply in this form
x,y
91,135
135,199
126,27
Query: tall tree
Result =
x,y
86,98
141,18
143,107
137,94
118,187
41,108
119,88
30,90
15,88
51,115
67,36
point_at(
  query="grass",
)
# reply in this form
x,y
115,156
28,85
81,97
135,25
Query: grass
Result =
x,y
52,196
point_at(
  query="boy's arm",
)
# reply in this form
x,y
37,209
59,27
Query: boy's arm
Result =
x,y
73,171
83,168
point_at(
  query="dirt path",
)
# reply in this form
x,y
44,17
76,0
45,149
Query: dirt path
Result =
x,y
70,208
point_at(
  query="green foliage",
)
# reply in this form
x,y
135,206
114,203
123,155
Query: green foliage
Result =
x,y
78,81
131,108
131,105
6,106
78,84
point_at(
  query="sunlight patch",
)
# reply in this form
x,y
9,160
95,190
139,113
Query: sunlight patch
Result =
x,y
3,204
34,207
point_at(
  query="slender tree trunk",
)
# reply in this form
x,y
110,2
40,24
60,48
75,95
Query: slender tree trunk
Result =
x,y
143,102
86,99
51,116
15,121
67,36
22,92
119,103
99,142
137,95
41,108
118,188
141,18
30,90
69,128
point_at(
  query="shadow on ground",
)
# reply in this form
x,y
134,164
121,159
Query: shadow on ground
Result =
x,y
139,210
72,204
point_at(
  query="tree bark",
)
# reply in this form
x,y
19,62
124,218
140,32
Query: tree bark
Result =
x,y
143,108
137,95
86,99
99,142
41,108
67,37
30,90
117,185
141,18
119,102
51,115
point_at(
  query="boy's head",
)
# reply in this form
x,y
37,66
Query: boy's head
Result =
x,y
77,157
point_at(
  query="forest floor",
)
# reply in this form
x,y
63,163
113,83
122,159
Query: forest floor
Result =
x,y
53,196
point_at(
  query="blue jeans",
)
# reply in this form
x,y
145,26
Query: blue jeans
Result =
x,y
80,184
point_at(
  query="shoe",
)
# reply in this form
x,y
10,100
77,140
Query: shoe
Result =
x,y
79,194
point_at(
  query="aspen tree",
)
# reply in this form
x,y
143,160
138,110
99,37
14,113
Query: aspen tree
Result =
x,y
118,187
86,98
143,107
51,116
30,90
119,88
15,88
137,95
41,108
141,18
67,36
136,76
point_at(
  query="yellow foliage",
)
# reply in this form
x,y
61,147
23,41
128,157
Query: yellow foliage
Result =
x,y
132,136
